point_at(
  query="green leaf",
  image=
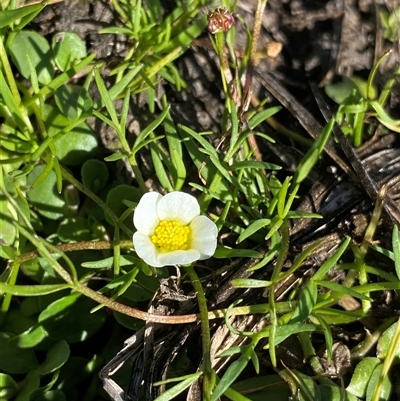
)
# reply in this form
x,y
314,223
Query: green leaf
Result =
x,y
353,108
31,290
362,87
361,376
182,39
175,150
253,164
8,230
335,316
225,252
120,85
302,386
335,393
331,262
116,30
75,371
115,156
74,229
124,260
271,387
13,359
149,129
262,116
17,321
13,104
44,196
179,388
285,331
229,377
159,158
311,157
67,48
384,118
51,395
342,289
73,100
253,228
75,142
386,385
62,79
328,335
115,200
94,175
30,338
107,99
29,47
385,342
69,319
250,283
8,17
56,357
29,385
8,387
307,301
392,29
144,287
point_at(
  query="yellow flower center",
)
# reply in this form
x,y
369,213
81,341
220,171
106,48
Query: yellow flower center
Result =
x,y
170,235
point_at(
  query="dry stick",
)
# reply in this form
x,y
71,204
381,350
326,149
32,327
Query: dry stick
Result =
x,y
375,194
309,123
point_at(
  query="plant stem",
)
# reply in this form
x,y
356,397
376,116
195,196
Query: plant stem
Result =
x,y
255,37
223,60
205,332
7,297
138,174
275,274
78,185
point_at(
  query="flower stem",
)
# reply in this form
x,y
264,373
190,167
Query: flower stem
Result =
x,y
223,60
205,332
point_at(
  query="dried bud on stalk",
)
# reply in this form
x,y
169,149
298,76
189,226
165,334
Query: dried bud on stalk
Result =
x,y
220,20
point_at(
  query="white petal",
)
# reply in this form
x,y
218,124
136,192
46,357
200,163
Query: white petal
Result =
x,y
145,218
204,236
178,257
145,249
178,206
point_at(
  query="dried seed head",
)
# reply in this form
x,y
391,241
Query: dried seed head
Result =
x,y
220,20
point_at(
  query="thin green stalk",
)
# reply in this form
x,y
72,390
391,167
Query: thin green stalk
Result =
x,y
388,87
275,274
138,174
206,199
77,184
361,350
205,332
117,253
362,251
309,354
7,297
255,37
223,60
9,75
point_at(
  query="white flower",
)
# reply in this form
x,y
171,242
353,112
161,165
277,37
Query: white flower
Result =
x,y
171,231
